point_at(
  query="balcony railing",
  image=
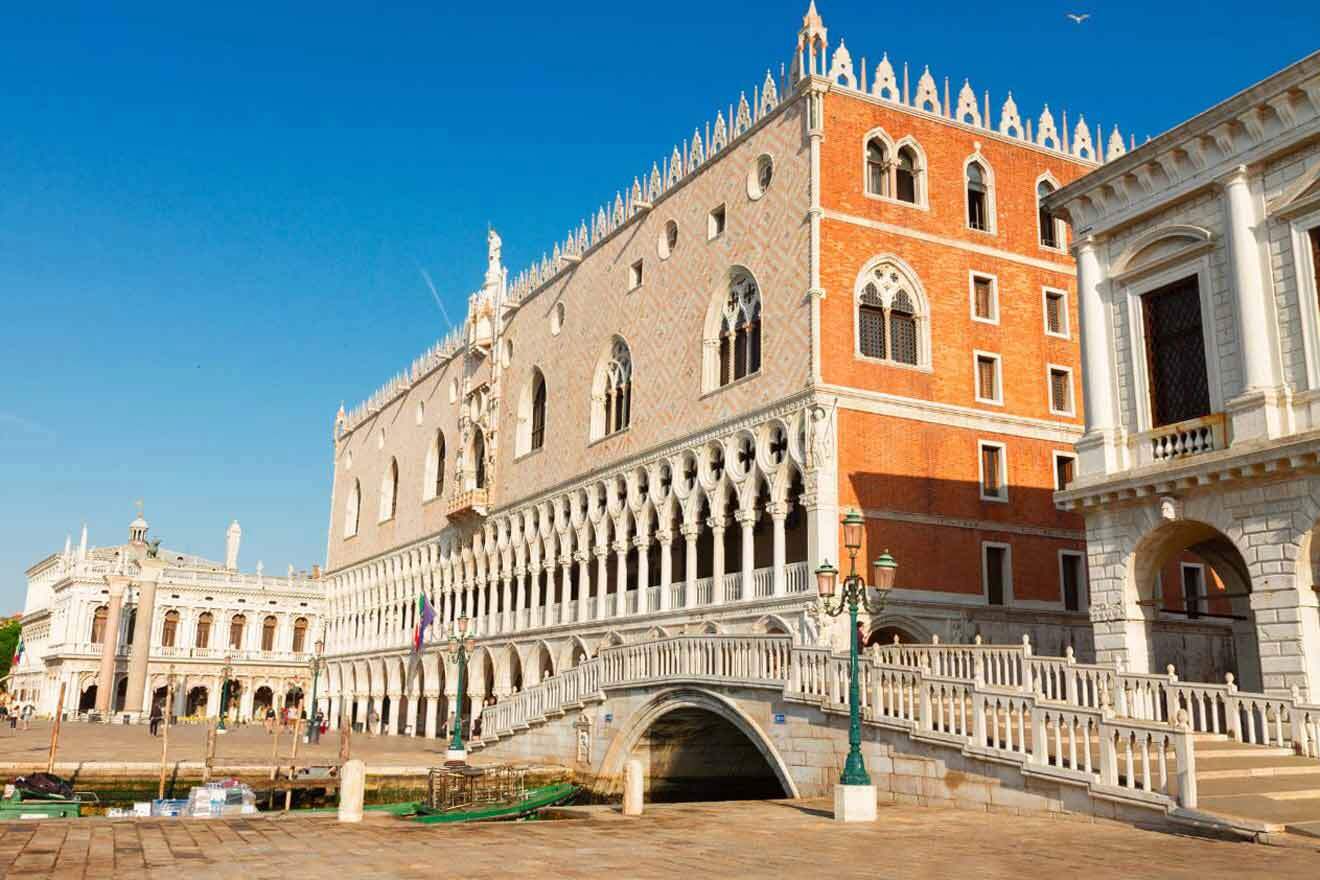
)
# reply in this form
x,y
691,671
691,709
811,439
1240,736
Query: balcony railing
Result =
x,y
468,503
1183,439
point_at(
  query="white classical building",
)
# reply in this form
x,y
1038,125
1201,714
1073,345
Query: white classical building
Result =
x,y
1198,475
83,627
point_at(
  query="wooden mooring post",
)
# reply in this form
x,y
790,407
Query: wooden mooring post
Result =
x,y
55,730
165,735
210,753
293,757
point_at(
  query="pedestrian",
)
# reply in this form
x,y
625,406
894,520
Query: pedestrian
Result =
x,y
270,719
27,716
373,718
155,719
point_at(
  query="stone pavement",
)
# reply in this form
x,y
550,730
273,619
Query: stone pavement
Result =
x,y
778,838
118,743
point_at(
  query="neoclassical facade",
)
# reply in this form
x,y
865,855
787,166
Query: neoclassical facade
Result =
x,y
1197,256
85,625
842,292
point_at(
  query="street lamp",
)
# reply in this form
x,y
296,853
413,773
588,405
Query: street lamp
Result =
x,y
314,730
854,798
225,672
461,644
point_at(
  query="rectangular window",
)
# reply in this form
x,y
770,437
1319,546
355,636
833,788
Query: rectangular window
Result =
x,y
985,299
995,572
1315,260
994,472
1065,467
1175,353
1056,313
1061,396
988,384
715,223
635,275
1070,580
1193,587
976,210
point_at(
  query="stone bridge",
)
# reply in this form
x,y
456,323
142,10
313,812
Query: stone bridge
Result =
x,y
985,726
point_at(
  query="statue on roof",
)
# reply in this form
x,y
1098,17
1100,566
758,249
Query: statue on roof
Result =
x,y
153,549
493,245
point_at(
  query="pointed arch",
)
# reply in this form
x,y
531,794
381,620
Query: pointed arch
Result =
x,y
891,314
1051,231
979,194
530,430
389,491
353,510
433,483
612,390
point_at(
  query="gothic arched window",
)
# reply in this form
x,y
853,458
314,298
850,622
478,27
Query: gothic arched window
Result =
x,y
98,624
435,468
203,639
740,329
877,167
268,633
905,176
530,431
389,491
891,320
169,630
538,411
612,391
478,459
353,510
979,204
1049,224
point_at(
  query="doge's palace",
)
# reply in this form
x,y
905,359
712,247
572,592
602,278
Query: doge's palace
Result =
x,y
845,290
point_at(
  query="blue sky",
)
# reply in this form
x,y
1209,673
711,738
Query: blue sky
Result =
x,y
212,222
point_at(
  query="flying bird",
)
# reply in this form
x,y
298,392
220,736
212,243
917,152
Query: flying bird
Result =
x,y
1079,18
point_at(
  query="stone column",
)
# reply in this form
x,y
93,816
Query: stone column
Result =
x,y
105,680
551,592
716,524
432,716
479,606
534,614
666,539
520,599
643,544
602,581
621,574
506,614
584,584
565,586
747,519
1096,450
778,514
691,531
142,632
245,699
1254,412
411,718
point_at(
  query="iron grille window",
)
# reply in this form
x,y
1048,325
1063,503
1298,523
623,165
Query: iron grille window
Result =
x,y
871,323
1054,312
903,329
1060,391
1175,353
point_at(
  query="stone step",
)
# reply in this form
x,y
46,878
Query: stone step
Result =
x,y
1238,766
1286,787
1215,749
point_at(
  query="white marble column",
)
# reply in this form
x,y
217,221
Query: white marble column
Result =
x,y
643,544
621,573
691,531
584,585
432,716
602,581
536,615
1096,450
716,524
747,520
410,720
565,587
778,514
666,539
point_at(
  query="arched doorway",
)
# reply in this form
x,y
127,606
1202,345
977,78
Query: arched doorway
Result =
x,y
87,702
262,699
1190,574
515,670
696,746
198,697
541,663
889,634
121,694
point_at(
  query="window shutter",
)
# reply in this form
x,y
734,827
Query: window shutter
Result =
x,y
985,378
984,307
990,484
1054,312
1060,399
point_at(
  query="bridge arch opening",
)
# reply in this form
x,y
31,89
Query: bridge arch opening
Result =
x,y
697,746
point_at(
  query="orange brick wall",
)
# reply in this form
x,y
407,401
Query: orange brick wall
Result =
x,y
889,463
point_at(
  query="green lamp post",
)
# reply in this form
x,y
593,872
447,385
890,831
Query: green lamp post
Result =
x,y
854,596
313,728
225,672
461,644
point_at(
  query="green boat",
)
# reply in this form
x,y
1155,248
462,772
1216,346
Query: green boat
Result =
x,y
537,799
18,807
